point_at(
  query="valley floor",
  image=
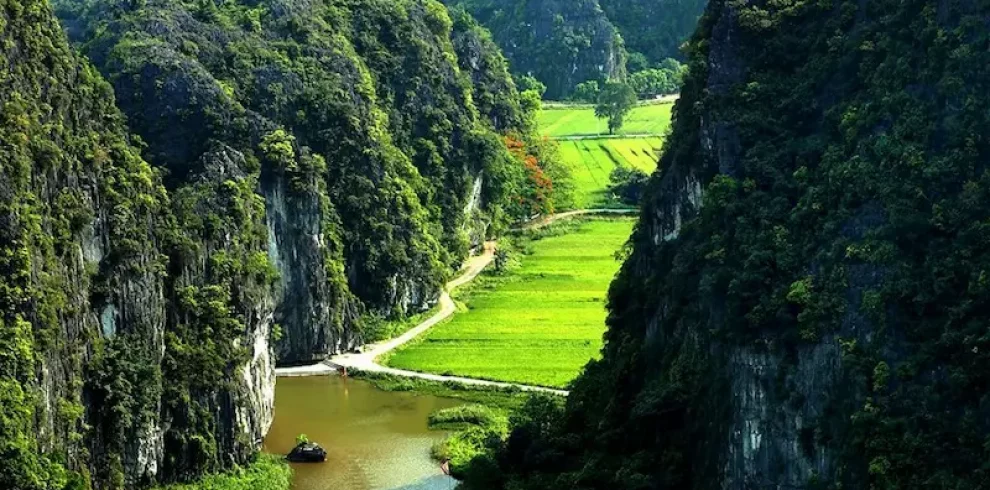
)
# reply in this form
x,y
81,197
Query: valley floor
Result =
x,y
592,161
538,323
559,121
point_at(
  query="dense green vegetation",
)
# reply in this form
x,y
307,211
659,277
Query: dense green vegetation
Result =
x,y
567,43
803,304
314,163
593,161
95,249
67,172
648,83
558,121
653,30
473,451
538,319
628,184
664,79
820,321
559,42
366,123
477,427
268,472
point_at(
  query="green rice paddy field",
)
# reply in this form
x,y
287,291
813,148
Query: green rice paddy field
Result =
x,y
538,324
592,160
563,121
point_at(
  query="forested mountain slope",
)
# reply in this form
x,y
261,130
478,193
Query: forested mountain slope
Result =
x,y
565,43
302,169
355,117
805,302
655,29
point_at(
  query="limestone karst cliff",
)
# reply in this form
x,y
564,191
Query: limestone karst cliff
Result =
x,y
245,183
357,123
109,287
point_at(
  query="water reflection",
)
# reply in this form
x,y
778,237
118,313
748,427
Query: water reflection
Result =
x,y
436,482
375,440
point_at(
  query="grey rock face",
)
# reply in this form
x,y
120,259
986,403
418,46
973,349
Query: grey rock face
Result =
x,y
314,316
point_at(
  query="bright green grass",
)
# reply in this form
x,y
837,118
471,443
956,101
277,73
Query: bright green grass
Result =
x,y
538,324
268,472
557,122
592,160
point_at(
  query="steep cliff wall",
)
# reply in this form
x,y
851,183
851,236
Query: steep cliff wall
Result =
x,y
133,327
804,305
354,119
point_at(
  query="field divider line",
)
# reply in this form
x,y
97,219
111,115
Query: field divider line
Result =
x,y
583,137
591,156
366,357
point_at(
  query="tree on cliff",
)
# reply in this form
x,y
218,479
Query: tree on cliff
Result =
x,y
614,102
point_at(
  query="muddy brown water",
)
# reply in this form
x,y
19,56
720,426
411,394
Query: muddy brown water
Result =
x,y
375,440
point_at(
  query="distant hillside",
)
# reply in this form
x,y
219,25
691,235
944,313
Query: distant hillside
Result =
x,y
559,42
566,42
654,29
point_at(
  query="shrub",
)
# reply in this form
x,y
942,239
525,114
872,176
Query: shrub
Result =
x,y
478,415
628,184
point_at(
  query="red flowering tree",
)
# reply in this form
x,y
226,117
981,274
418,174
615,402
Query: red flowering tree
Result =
x,y
536,196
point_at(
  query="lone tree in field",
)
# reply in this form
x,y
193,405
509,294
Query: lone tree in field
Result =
x,y
614,102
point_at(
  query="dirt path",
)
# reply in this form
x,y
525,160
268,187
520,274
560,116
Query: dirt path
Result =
x,y
366,359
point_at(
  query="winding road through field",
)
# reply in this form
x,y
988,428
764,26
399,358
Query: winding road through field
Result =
x,y
366,359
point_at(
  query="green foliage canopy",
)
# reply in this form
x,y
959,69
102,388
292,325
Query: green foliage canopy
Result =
x,y
614,102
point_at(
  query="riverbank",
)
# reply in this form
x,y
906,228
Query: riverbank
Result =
x,y
375,439
267,472
497,399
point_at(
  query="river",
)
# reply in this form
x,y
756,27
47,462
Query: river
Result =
x,y
375,440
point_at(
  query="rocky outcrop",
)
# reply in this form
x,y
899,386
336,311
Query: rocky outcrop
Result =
x,y
315,313
652,28
307,452
776,399
222,304
494,91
